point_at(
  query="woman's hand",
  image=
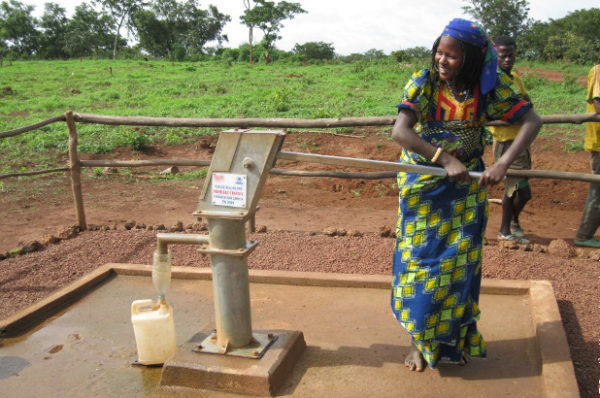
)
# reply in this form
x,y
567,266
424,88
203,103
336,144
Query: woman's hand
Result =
x,y
404,135
455,169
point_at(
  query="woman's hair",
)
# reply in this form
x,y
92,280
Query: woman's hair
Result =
x,y
472,64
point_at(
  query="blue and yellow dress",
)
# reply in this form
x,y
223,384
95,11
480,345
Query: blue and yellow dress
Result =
x,y
437,256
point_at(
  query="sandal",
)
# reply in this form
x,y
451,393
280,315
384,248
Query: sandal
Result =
x,y
514,238
516,230
587,243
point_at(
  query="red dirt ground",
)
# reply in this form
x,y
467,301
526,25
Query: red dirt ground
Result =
x,y
295,212
552,75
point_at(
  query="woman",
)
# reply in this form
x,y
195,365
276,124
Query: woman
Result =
x,y
441,220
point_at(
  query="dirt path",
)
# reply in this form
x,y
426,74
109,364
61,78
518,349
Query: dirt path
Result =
x,y
295,211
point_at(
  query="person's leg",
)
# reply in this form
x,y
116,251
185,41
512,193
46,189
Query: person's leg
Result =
x,y
414,359
513,200
523,192
507,205
507,214
519,200
509,229
590,219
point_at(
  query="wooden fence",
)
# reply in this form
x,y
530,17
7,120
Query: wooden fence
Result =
x,y
76,164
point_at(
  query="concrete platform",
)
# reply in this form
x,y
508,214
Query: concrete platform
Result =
x,y
79,342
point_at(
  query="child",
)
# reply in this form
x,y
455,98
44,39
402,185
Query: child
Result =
x,y
516,189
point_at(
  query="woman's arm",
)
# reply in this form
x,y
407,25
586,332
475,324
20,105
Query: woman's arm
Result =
x,y
404,135
531,124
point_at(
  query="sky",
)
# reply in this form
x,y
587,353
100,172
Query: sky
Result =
x,y
354,26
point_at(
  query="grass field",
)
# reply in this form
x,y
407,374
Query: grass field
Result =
x,y
35,90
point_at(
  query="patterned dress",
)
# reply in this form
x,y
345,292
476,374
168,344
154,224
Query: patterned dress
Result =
x,y
437,256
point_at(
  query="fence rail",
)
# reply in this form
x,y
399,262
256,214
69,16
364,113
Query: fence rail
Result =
x,y
391,168
31,127
259,122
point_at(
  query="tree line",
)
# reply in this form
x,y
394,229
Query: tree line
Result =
x,y
574,38
161,28
183,30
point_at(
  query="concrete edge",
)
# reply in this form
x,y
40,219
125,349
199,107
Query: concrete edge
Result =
x,y
558,373
323,279
29,317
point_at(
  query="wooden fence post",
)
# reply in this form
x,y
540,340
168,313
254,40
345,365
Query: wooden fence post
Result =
x,y
75,167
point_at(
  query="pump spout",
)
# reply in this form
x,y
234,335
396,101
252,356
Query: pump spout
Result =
x,y
161,273
161,266
164,239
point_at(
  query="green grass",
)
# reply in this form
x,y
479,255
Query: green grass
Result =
x,y
32,91
552,97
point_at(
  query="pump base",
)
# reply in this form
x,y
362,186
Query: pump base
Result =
x,y
192,369
256,349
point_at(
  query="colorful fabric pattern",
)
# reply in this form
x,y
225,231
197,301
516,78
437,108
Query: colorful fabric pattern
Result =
x,y
437,256
592,129
509,133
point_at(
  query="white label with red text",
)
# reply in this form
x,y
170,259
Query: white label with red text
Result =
x,y
229,189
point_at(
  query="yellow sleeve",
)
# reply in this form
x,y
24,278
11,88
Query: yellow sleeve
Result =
x,y
593,83
519,83
592,129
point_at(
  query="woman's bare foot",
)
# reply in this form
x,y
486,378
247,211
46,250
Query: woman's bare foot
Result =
x,y
414,360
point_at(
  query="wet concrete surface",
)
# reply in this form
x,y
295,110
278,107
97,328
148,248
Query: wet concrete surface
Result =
x,y
355,347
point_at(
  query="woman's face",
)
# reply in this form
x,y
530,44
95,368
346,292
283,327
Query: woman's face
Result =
x,y
448,58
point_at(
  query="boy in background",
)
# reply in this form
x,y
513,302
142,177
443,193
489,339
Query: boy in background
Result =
x,y
517,191
590,219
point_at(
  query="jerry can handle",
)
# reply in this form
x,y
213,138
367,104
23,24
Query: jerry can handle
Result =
x,y
138,306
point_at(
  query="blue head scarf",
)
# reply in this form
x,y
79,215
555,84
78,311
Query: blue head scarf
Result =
x,y
472,33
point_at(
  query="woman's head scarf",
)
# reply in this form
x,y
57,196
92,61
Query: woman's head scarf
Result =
x,y
472,33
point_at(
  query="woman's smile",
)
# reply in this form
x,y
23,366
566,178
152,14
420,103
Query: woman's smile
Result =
x,y
448,58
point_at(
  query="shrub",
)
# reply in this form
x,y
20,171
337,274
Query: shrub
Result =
x,y
315,50
133,139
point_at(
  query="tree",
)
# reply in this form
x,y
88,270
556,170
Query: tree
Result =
x,y
120,11
500,17
575,37
257,52
18,28
3,52
583,23
374,53
204,26
170,25
570,47
419,54
54,32
250,26
268,16
153,34
315,50
88,32
531,44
